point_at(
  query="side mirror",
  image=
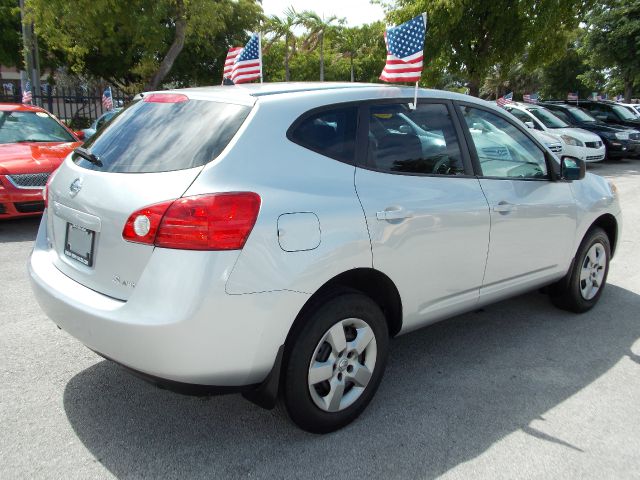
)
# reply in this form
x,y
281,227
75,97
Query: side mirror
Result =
x,y
572,168
79,134
530,125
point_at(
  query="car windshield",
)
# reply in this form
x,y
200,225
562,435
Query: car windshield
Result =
x,y
623,112
547,118
581,115
19,127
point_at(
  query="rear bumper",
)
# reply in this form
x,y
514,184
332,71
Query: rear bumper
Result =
x,y
19,202
178,325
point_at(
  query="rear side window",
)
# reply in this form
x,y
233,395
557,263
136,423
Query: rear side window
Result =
x,y
330,132
160,137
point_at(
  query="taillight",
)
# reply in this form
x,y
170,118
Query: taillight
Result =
x,y
220,221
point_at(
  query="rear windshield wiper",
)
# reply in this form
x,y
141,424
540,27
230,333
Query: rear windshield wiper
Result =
x,y
87,155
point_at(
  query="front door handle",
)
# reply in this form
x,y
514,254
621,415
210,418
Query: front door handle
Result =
x,y
504,207
393,214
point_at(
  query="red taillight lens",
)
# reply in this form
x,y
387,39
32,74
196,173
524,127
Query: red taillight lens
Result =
x,y
221,221
142,225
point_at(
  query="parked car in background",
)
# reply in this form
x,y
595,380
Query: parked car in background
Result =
x,y
619,141
33,143
576,141
632,107
611,113
99,122
271,238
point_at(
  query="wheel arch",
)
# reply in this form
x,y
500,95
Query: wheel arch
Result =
x,y
609,224
368,281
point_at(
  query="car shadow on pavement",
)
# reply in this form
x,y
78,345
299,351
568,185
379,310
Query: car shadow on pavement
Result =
x,y
19,230
449,393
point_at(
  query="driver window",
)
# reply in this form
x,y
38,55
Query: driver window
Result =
x,y
420,141
503,150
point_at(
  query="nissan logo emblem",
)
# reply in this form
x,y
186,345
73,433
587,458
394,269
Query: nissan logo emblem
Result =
x,y
75,187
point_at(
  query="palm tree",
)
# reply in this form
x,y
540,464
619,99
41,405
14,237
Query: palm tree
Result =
x,y
350,43
283,28
316,29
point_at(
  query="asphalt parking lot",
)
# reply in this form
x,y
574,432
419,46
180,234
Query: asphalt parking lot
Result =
x,y
517,390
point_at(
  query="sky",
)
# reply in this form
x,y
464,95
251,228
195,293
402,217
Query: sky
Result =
x,y
356,12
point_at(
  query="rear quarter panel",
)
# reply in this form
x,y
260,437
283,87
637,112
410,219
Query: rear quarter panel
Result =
x,y
289,179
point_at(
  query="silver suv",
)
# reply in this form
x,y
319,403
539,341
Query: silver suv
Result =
x,y
271,239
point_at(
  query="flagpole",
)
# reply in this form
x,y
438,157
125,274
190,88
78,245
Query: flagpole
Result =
x,y
260,53
415,98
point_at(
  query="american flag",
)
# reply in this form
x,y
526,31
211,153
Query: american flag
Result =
x,y
229,61
107,99
531,97
405,45
572,96
27,96
247,64
502,101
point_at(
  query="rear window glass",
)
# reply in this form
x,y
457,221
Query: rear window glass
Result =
x,y
160,137
329,132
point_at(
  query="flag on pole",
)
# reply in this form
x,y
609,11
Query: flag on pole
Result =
x,y
247,61
232,54
27,96
405,47
531,98
619,98
502,101
572,96
107,99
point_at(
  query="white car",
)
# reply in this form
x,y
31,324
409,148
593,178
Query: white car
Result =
x,y
272,238
577,142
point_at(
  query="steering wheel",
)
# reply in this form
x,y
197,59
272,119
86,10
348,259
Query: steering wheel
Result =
x,y
442,167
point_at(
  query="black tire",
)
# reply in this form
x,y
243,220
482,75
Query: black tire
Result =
x,y
296,395
567,293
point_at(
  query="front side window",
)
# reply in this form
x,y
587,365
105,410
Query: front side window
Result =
x,y
22,127
329,132
623,112
503,150
420,141
520,115
548,119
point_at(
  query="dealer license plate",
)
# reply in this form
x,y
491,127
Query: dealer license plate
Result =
x,y
79,243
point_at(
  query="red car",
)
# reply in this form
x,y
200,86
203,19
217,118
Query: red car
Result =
x,y
33,143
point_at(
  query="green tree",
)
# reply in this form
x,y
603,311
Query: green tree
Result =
x,y
469,38
282,28
136,41
10,39
612,40
317,28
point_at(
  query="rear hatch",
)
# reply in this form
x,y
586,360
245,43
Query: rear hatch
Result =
x,y
151,152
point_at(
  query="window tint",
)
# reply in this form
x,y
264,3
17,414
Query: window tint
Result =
x,y
547,118
520,115
503,150
561,115
329,132
160,137
413,141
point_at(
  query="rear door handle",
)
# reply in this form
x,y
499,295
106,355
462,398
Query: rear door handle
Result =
x,y
393,214
504,207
